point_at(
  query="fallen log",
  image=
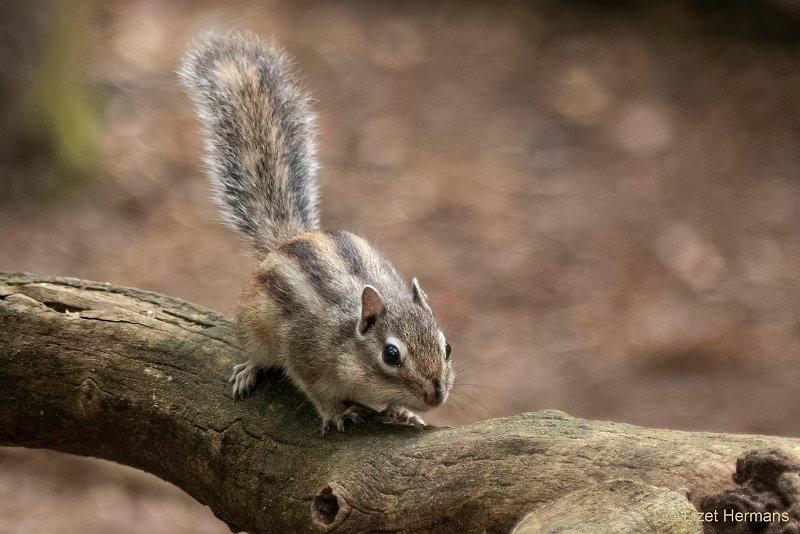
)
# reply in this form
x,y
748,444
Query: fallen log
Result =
x,y
141,379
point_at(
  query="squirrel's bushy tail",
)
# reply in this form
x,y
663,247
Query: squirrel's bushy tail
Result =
x,y
259,134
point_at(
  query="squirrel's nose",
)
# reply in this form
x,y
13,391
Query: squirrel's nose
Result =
x,y
435,396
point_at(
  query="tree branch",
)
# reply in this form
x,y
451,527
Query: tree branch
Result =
x,y
141,379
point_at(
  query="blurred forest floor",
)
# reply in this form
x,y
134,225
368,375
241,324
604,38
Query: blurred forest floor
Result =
x,y
602,200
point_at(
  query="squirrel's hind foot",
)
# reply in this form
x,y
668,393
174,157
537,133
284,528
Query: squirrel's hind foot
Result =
x,y
244,379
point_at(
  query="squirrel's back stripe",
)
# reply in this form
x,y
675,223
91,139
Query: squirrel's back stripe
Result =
x,y
283,281
375,270
328,270
280,291
349,252
317,269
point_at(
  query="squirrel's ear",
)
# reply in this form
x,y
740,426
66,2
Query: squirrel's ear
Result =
x,y
420,298
371,307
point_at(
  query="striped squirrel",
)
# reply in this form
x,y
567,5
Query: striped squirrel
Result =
x,y
324,306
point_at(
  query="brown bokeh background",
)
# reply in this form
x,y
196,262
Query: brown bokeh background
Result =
x,y
601,199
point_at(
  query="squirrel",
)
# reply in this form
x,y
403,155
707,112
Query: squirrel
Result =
x,y
324,306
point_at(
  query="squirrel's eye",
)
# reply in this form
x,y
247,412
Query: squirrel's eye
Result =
x,y
391,355
447,351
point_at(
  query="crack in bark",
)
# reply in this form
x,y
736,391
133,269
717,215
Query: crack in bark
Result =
x,y
62,307
189,318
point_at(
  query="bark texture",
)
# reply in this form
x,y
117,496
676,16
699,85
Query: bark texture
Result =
x,y
141,379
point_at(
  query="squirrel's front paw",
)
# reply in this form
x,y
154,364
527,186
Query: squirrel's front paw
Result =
x,y
403,415
339,420
243,379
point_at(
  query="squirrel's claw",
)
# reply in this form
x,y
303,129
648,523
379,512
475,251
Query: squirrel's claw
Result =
x,y
399,414
243,379
339,421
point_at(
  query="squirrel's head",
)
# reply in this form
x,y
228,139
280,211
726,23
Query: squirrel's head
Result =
x,y
401,342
